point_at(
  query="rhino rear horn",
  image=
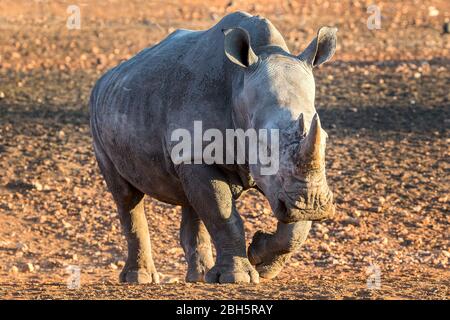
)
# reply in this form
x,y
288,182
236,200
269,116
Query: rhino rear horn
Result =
x,y
312,148
301,125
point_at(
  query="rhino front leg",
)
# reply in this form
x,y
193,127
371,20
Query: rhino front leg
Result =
x,y
196,244
139,267
209,193
270,252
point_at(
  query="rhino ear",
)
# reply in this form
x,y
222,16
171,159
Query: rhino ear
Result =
x,y
322,48
237,47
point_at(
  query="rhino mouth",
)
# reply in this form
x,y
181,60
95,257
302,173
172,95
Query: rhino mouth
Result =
x,y
288,210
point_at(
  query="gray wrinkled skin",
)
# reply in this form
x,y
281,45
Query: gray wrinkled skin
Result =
x,y
238,74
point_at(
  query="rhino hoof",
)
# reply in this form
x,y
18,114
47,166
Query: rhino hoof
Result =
x,y
269,271
238,277
198,266
194,276
140,276
243,272
271,268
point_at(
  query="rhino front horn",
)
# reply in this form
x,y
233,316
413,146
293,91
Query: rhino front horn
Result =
x,y
312,150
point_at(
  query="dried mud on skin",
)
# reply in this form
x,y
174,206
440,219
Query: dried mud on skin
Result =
x,y
383,100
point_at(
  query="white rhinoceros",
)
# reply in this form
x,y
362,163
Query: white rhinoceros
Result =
x,y
238,74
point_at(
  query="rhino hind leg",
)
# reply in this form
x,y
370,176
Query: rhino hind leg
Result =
x,y
139,267
196,244
209,193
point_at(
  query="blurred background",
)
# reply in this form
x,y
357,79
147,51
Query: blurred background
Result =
x,y
383,99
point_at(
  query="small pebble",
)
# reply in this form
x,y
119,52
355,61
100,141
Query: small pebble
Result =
x,y
38,186
113,266
30,267
14,269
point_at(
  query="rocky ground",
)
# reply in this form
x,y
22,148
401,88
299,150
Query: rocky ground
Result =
x,y
384,101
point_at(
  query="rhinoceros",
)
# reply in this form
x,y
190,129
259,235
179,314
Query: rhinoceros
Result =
x,y
237,74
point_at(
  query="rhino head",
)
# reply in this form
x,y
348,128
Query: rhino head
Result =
x,y
275,89
303,192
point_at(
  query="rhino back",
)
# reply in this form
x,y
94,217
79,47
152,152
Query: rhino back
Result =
x,y
185,73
